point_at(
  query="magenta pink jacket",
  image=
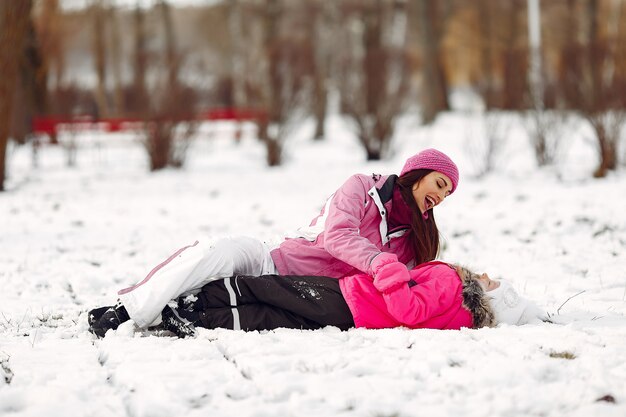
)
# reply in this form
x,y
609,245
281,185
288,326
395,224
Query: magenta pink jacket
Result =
x,y
428,296
348,233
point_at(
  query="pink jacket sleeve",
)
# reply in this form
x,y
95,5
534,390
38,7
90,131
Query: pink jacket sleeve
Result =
x,y
414,305
342,239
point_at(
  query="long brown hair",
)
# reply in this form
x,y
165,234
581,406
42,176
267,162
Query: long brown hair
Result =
x,y
425,233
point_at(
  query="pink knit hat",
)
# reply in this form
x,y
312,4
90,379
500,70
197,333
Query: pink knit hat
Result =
x,y
435,160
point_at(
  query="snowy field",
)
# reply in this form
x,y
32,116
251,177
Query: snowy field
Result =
x,y
71,237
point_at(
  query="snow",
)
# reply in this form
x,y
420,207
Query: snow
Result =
x,y
71,237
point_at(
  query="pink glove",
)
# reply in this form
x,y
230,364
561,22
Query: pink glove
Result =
x,y
380,260
391,275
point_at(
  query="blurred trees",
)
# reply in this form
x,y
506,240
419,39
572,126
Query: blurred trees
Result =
x,y
321,26
374,71
592,77
238,58
137,99
430,17
31,93
169,114
285,80
99,22
287,61
14,29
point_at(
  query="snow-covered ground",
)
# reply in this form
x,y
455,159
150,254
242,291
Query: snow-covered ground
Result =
x,y
70,237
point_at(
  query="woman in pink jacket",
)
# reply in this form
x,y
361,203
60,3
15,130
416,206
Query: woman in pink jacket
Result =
x,y
432,295
368,221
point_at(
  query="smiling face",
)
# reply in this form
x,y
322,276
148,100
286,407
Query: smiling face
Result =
x,y
431,190
487,283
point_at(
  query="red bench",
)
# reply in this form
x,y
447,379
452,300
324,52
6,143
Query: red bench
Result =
x,y
51,125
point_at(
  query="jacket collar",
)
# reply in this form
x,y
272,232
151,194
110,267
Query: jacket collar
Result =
x,y
382,197
385,192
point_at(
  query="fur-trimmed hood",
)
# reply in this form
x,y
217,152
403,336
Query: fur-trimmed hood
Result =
x,y
474,299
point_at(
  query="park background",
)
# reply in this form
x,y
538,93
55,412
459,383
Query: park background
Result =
x,y
130,129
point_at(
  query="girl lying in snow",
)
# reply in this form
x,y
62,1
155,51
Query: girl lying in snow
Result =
x,y
432,295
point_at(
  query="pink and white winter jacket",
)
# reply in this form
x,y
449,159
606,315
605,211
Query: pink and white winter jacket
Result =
x,y
350,231
432,295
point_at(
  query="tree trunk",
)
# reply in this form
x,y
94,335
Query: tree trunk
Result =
x,y
49,28
274,153
594,63
272,85
99,53
159,144
320,105
14,18
319,38
435,97
486,55
139,97
373,78
515,66
373,155
116,58
607,151
53,62
612,34
374,65
171,58
606,135
31,95
171,108
238,62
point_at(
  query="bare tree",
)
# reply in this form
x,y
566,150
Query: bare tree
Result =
x,y
31,91
238,61
50,35
320,21
547,131
172,57
486,15
514,57
431,18
170,120
484,146
591,87
14,20
286,82
99,54
50,29
138,100
269,125
503,53
374,75
115,40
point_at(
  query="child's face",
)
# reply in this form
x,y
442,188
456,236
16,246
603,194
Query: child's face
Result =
x,y
487,283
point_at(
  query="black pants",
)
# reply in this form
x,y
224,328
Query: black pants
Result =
x,y
273,301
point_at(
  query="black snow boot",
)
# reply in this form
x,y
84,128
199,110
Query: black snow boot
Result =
x,y
95,314
100,321
173,322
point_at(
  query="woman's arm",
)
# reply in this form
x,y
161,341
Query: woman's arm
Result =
x,y
342,238
412,304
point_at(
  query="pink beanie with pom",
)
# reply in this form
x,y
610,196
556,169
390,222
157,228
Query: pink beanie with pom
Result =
x,y
435,160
